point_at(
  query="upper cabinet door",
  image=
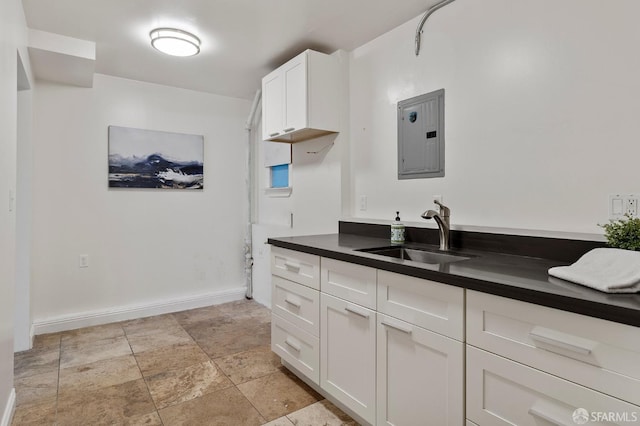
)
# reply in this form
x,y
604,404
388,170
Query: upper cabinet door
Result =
x,y
295,88
272,105
301,99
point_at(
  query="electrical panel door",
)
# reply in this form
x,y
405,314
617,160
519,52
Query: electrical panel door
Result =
x,y
421,136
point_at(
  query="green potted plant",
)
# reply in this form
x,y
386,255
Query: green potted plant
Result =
x,y
623,233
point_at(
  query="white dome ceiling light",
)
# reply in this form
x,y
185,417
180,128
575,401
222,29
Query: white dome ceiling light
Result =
x,y
175,42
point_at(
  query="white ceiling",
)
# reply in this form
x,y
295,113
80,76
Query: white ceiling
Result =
x,y
242,40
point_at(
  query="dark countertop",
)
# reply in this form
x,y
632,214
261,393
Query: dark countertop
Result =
x,y
516,277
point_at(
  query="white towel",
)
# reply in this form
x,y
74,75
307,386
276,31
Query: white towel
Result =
x,y
605,269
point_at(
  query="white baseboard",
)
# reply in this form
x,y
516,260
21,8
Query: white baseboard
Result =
x,y
122,313
9,408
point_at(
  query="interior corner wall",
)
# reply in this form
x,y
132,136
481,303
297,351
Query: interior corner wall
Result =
x,y
24,197
540,113
144,246
312,208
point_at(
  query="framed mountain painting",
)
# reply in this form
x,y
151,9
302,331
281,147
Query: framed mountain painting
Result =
x,y
152,159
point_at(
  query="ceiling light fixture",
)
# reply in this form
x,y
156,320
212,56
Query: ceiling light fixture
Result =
x,y
175,42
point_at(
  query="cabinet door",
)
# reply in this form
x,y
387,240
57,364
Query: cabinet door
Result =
x,y
295,94
420,376
348,354
272,104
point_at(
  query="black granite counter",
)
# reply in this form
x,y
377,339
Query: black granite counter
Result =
x,y
514,276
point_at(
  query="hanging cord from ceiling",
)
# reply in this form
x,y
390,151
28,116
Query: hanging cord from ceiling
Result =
x,y
424,19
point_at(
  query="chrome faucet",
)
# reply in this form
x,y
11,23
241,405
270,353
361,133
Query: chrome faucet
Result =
x,y
442,219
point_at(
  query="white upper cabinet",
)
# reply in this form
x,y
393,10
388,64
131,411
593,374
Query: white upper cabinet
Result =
x,y
300,100
272,101
295,91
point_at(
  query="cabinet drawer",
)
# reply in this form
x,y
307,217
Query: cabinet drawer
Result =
x,y
355,283
503,392
297,304
296,266
296,346
599,354
420,375
434,306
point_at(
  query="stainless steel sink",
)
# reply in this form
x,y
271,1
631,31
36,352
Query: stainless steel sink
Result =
x,y
417,255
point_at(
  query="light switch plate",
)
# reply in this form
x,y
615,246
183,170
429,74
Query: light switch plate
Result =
x,y
363,202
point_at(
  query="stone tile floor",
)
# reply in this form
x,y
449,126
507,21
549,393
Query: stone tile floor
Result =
x,y
208,366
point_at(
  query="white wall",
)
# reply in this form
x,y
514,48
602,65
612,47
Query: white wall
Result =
x,y
12,39
314,203
145,247
540,112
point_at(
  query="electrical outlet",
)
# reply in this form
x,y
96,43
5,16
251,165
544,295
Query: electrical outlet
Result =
x,y
631,205
621,205
83,261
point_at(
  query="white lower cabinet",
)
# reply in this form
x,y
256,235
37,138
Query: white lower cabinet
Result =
x,y
394,350
348,354
595,353
504,392
297,304
296,346
420,376
356,283
302,268
435,306
295,312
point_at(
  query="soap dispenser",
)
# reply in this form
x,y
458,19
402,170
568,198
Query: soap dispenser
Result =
x,y
397,231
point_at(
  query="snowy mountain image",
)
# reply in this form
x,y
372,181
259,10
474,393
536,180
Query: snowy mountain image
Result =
x,y
152,159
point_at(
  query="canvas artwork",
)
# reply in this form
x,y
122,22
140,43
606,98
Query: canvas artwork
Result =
x,y
152,159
